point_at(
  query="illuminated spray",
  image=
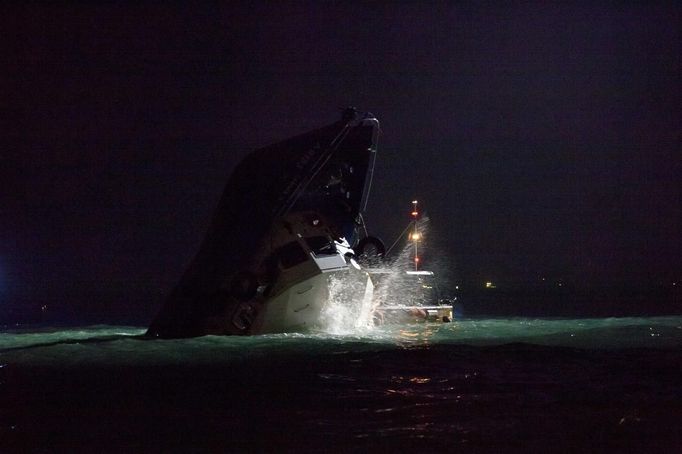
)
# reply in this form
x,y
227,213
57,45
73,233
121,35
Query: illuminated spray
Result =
x,y
395,288
345,313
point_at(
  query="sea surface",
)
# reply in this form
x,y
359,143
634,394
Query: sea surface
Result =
x,y
473,385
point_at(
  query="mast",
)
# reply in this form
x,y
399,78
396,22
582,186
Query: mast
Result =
x,y
415,234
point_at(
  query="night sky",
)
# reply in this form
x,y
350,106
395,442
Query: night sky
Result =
x,y
543,140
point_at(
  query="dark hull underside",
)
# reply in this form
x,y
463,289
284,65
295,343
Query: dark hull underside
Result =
x,y
327,170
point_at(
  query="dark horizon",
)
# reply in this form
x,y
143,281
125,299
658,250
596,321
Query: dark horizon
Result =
x,y
543,140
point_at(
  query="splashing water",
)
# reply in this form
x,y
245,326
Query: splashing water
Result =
x,y
349,306
394,287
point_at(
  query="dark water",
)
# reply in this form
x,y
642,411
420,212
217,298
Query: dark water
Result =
x,y
494,385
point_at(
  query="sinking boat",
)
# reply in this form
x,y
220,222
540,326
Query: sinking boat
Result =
x,y
285,226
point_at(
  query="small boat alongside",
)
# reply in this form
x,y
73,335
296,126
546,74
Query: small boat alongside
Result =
x,y
409,295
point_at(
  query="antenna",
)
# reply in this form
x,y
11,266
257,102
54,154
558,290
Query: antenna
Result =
x,y
415,234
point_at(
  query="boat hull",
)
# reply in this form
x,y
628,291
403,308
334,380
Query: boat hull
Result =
x,y
303,306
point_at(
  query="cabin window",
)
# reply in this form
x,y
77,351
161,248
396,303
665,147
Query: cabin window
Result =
x,y
291,254
321,245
